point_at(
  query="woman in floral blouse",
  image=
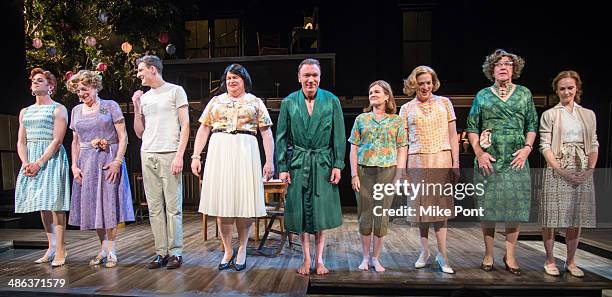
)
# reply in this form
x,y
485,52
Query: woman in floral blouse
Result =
x,y
232,184
378,150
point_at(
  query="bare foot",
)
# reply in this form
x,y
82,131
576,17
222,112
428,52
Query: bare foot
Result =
x,y
305,268
365,265
377,266
321,270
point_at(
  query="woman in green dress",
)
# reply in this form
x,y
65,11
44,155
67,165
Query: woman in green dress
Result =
x,y
502,127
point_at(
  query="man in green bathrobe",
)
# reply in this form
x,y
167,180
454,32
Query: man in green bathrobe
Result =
x,y
311,122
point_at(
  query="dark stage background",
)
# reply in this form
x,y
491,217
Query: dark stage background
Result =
x,y
368,41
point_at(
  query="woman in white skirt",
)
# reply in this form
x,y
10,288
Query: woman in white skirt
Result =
x,y
232,183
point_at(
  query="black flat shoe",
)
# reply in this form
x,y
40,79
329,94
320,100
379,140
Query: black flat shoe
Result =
x,y
229,264
240,267
515,271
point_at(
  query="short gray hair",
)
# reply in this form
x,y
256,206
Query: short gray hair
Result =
x,y
309,62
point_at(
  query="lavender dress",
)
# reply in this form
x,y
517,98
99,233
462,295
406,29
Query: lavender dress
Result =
x,y
97,203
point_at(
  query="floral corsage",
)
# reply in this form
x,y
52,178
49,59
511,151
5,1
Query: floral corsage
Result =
x,y
485,139
99,144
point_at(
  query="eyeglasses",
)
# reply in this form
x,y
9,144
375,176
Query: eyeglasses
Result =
x,y
507,63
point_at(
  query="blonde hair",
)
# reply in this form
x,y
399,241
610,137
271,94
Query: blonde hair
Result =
x,y
390,106
411,85
86,77
569,74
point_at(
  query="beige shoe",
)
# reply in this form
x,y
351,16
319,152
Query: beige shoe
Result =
x,y
551,269
574,270
111,261
46,258
443,265
57,263
420,263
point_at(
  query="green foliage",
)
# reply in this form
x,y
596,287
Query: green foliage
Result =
x,y
64,25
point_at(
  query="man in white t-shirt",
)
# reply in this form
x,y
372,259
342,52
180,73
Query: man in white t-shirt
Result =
x,y
161,120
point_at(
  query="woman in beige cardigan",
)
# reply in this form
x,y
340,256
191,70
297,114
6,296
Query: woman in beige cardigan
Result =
x,y
569,144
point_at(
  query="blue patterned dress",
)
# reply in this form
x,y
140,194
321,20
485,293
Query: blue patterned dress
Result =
x,y
50,188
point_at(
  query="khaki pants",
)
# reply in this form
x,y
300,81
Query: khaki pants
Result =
x,y
368,222
164,193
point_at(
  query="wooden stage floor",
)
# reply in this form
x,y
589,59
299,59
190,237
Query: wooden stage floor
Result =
x,y
277,276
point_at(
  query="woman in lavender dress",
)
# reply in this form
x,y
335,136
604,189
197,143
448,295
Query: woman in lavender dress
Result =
x,y
101,197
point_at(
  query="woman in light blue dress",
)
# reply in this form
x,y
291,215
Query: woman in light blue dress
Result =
x,y
43,183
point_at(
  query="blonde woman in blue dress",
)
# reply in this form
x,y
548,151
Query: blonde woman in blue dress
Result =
x,y
43,183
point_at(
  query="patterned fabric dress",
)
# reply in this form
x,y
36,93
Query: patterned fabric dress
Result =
x,y
507,192
429,155
50,188
562,204
232,182
96,202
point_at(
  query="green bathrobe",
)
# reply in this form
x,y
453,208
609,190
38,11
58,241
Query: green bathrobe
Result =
x,y
312,203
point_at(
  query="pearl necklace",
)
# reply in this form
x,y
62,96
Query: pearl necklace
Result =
x,y
92,107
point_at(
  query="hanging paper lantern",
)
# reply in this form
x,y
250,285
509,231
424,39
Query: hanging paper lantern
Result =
x,y
103,17
163,37
68,75
170,49
126,47
37,43
101,67
51,51
90,41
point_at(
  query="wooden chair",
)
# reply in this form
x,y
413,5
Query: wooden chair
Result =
x,y
270,44
275,211
270,188
141,210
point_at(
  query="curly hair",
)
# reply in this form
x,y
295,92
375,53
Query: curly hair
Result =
x,y
411,85
86,77
489,64
569,74
51,80
390,106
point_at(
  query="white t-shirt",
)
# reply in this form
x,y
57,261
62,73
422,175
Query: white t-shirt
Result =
x,y
160,110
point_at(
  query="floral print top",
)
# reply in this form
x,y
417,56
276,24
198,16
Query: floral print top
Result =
x,y
378,140
247,113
